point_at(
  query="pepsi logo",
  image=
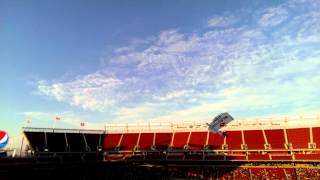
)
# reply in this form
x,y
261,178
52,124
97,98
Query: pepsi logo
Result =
x,y
3,139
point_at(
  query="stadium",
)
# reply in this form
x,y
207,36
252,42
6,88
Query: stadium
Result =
x,y
275,148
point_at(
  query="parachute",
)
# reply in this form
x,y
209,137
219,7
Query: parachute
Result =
x,y
219,122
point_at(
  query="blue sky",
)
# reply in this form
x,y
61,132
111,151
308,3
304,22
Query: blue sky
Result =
x,y
124,61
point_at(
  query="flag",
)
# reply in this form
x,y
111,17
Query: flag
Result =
x,y
81,124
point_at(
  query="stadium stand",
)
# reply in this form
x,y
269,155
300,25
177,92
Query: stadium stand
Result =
x,y
180,140
267,149
146,141
129,141
111,141
234,140
316,136
197,140
275,138
215,141
298,138
254,139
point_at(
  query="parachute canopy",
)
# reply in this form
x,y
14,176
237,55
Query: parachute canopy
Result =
x,y
219,122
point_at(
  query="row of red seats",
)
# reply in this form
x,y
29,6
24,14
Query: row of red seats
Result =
x,y
252,139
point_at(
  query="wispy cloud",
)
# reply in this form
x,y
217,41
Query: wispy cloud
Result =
x,y
222,21
273,16
249,69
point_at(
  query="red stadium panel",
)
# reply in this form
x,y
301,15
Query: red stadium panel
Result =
x,y
234,139
258,157
282,157
316,136
197,140
129,141
311,157
163,140
275,138
111,141
146,141
180,139
215,141
299,138
254,139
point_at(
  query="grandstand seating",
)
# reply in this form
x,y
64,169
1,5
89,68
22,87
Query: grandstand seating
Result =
x,y
180,140
299,138
163,140
254,139
129,141
234,140
197,140
258,157
56,142
199,145
94,141
36,140
275,173
275,138
146,141
281,157
307,157
111,141
76,142
316,136
215,141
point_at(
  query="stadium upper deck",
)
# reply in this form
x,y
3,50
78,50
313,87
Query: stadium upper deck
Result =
x,y
274,139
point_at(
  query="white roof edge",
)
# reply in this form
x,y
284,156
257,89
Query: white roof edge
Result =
x,y
288,122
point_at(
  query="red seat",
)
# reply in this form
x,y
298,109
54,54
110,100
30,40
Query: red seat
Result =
x,y
316,136
111,141
163,140
180,140
146,141
275,138
258,157
197,140
299,138
215,141
129,141
308,157
234,140
254,139
282,157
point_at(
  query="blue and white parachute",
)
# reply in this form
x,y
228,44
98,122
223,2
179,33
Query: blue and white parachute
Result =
x,y
3,139
219,122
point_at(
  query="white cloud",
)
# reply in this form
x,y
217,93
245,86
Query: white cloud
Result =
x,y
222,21
246,69
273,16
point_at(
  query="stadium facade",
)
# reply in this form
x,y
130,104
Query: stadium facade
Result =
x,y
274,148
